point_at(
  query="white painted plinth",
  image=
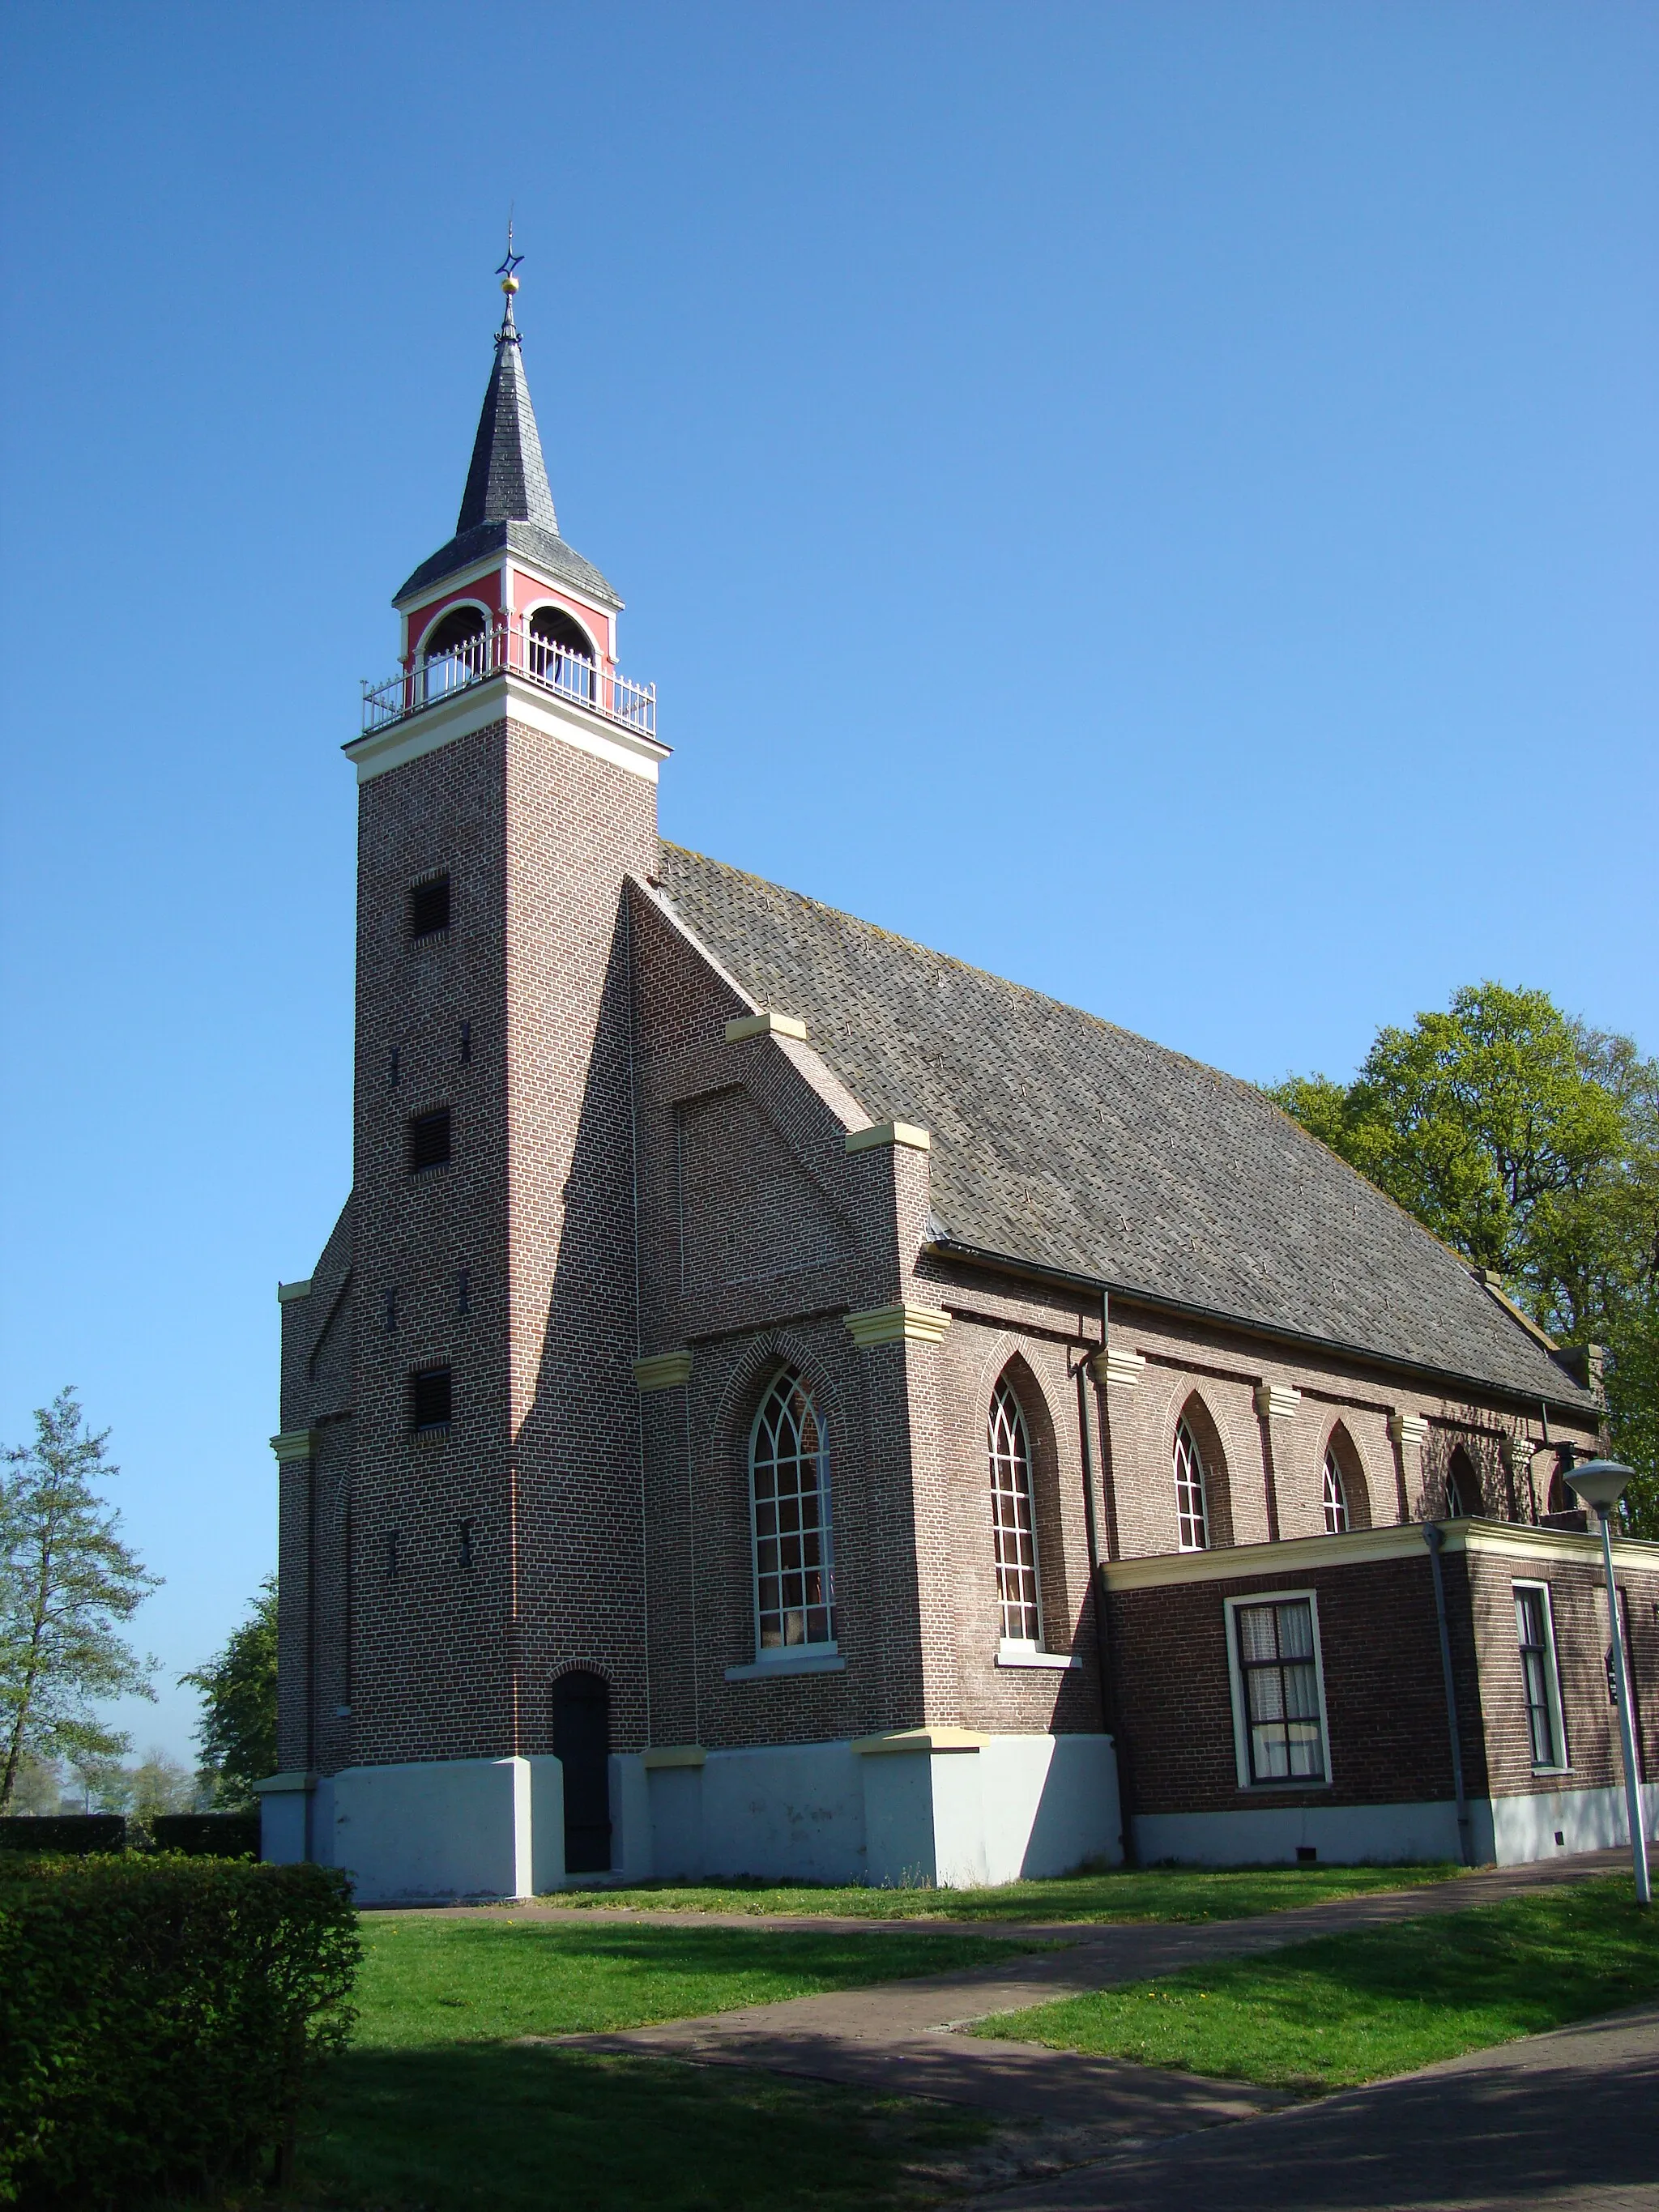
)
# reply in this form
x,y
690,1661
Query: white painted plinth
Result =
x,y
1503,1831
1031,1805
438,1829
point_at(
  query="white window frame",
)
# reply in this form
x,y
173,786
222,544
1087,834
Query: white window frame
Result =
x,y
1331,1465
796,1658
1553,1680
1183,1427
1241,1712
1012,1650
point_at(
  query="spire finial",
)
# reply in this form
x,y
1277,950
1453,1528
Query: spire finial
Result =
x,y
509,282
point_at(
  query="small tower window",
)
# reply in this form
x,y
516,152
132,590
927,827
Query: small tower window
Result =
x,y
429,907
1336,1498
430,1400
562,653
428,1140
1192,1511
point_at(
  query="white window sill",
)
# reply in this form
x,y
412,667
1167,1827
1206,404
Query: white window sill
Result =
x,y
1550,1773
1027,1655
1285,1781
819,1659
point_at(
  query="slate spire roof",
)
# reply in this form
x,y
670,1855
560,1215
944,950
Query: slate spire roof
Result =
x,y
1063,1143
508,503
507,480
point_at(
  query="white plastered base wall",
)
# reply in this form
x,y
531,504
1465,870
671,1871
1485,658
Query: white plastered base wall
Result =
x,y
1008,1806
1504,1831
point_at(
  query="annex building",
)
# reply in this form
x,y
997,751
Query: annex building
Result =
x,y
779,1401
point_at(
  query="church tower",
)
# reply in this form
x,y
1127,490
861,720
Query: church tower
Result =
x,y
506,790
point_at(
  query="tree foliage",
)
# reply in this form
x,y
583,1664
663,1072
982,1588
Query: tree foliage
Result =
x,y
237,1733
67,1582
1529,1143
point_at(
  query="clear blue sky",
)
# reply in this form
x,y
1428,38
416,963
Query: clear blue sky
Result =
x,y
1155,499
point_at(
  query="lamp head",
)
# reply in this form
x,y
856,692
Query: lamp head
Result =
x,y
1599,1482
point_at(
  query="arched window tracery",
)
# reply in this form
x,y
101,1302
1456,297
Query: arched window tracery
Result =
x,y
1192,1503
789,1494
1014,1519
1336,1496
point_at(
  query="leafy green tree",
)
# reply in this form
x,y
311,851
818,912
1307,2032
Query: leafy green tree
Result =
x,y
237,1733
66,1581
1529,1144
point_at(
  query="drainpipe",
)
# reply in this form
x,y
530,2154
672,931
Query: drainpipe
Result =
x,y
1096,1582
1435,1538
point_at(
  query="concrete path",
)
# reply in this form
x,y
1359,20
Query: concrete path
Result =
x,y
900,2036
1567,2122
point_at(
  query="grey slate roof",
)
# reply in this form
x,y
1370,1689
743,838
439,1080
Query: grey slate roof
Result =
x,y
508,502
1065,1143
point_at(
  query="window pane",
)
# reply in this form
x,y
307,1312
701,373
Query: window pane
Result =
x,y
1256,1638
1012,1522
790,1477
1296,1631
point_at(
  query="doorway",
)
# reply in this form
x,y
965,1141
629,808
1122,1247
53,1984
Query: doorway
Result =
x,y
582,1742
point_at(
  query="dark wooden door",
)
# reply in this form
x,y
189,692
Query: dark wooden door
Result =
x,y
582,1742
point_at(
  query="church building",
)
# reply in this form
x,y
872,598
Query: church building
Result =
x,y
778,1401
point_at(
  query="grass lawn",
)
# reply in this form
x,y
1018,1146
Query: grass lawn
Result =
x,y
1152,1893
436,2107
1347,2008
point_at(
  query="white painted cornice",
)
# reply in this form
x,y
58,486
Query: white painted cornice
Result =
x,y
889,1132
766,1023
894,1324
662,1371
1278,1401
504,695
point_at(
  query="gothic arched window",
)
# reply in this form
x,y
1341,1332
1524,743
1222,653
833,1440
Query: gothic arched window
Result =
x,y
1336,1498
1013,1523
789,1488
1462,1487
1192,1509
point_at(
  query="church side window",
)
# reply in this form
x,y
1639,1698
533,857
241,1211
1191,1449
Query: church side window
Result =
x,y
1336,1498
789,1478
1192,1511
1012,1520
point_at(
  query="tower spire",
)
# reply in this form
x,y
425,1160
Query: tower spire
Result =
x,y
507,479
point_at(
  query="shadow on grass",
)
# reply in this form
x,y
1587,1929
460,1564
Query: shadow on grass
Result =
x,y
514,2127
429,1981
1350,2009
1175,1894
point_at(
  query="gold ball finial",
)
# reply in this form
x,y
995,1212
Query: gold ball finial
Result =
x,y
509,285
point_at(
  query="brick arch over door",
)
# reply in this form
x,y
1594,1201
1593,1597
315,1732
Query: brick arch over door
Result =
x,y
1339,1444
1043,1436
1202,1426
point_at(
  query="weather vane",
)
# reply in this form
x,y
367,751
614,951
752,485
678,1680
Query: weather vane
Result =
x,y
509,282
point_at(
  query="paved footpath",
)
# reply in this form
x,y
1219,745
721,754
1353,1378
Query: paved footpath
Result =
x,y
1567,2122
904,2036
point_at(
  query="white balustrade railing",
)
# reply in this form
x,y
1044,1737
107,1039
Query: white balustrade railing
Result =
x,y
514,647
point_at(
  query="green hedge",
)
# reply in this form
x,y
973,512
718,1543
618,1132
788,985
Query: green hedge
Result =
x,y
161,2018
208,1835
75,1833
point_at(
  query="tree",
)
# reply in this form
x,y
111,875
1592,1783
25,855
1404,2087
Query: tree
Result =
x,y
66,1581
1529,1144
237,1734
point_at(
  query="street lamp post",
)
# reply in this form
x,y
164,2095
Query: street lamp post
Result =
x,y
1601,1484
